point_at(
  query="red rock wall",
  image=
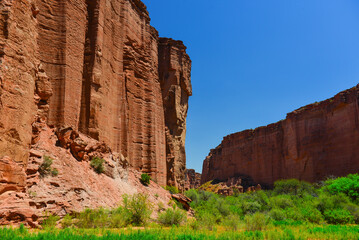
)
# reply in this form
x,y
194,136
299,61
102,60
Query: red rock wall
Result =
x,y
312,143
18,67
99,59
175,78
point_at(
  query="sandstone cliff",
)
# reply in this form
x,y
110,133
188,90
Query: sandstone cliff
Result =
x,y
312,143
100,68
175,78
192,179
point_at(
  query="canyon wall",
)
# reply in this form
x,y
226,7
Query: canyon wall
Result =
x,y
175,78
312,143
95,66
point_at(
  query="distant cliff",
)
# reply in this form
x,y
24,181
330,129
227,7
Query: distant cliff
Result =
x,y
100,68
313,142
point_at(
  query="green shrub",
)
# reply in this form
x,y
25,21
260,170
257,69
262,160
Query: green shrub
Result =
x,y
137,208
172,216
311,214
50,221
172,189
67,221
45,168
98,164
92,218
256,222
293,187
277,214
329,202
145,179
232,221
354,211
207,220
281,201
250,207
338,216
348,185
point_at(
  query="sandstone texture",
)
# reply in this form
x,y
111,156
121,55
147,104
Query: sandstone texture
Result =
x,y
175,78
97,76
77,186
192,179
312,143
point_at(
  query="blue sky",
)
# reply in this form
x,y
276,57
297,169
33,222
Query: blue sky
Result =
x,y
256,60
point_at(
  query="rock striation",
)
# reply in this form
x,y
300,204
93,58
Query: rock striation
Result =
x,y
192,179
96,67
312,143
175,79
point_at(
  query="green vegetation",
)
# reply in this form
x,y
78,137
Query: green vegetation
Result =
x,y
172,216
145,179
98,164
172,189
292,210
45,168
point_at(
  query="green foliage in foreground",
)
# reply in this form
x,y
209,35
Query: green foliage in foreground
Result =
x,y
334,201
279,233
292,210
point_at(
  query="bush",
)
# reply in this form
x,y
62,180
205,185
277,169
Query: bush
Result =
x,y
328,202
354,211
207,220
50,221
338,216
172,216
92,218
98,164
293,187
277,214
137,208
232,221
172,189
311,214
145,179
250,207
348,185
45,168
256,222
281,201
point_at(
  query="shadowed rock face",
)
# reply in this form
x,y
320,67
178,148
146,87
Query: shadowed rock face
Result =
x,y
94,66
312,143
192,179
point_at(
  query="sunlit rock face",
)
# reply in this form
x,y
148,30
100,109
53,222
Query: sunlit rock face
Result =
x,y
94,66
175,79
312,143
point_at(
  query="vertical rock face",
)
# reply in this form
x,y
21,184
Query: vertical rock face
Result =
x,y
312,143
18,66
175,78
95,66
192,179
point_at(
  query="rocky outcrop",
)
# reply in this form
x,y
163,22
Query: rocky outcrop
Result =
x,y
192,179
312,143
97,68
77,185
175,79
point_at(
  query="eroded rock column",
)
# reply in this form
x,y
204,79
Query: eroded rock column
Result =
x,y
175,78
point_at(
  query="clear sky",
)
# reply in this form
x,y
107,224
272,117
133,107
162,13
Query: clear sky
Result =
x,y
253,61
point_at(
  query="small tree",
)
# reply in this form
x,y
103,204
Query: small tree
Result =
x,y
137,208
46,169
145,179
98,165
